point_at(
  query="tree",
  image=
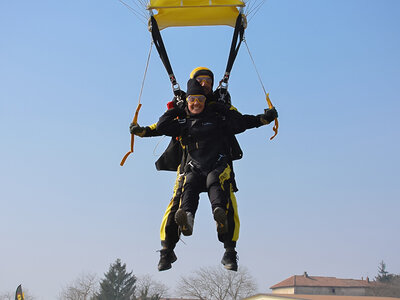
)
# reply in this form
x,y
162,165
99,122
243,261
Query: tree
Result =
x,y
148,289
7,296
216,283
83,288
117,284
383,275
386,284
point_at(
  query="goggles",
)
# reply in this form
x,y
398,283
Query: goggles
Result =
x,y
199,98
204,78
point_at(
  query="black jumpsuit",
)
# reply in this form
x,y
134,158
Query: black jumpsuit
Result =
x,y
207,166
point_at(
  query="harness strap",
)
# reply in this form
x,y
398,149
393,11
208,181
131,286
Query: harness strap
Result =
x,y
195,145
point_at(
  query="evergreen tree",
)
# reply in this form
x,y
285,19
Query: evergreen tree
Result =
x,y
383,275
387,284
117,284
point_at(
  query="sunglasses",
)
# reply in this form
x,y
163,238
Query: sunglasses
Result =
x,y
199,98
204,78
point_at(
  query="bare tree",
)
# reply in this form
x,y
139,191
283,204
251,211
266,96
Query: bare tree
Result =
x,y
216,283
389,288
147,288
83,288
6,296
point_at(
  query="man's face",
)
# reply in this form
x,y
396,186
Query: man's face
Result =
x,y
196,103
206,82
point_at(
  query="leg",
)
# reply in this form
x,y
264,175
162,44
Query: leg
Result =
x,y
192,187
218,197
169,233
231,235
184,217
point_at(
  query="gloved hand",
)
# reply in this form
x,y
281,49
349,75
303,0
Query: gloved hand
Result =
x,y
137,130
268,116
178,103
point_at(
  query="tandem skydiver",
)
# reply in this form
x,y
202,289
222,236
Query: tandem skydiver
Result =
x,y
227,218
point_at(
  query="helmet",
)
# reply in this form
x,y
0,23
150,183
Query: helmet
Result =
x,y
202,71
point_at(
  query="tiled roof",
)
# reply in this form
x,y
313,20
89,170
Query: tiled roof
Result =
x,y
315,297
319,281
179,298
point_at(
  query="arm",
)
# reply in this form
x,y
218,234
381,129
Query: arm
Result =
x,y
147,131
235,121
169,124
151,130
239,123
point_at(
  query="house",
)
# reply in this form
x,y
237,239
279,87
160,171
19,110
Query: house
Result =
x,y
318,285
314,297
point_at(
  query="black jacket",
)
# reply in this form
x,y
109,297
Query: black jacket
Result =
x,y
172,157
207,136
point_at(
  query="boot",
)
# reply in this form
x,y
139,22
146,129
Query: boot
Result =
x,y
185,221
229,260
167,257
221,220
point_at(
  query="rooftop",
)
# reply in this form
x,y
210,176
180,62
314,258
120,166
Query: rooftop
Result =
x,y
314,297
320,281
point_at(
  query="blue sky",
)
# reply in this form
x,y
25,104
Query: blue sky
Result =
x,y
322,197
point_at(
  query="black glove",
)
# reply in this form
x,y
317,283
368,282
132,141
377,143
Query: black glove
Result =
x,y
137,130
268,116
180,103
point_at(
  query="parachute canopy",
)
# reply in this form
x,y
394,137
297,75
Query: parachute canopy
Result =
x,y
175,13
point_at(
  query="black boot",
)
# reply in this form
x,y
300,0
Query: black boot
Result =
x,y
167,257
229,260
221,220
185,221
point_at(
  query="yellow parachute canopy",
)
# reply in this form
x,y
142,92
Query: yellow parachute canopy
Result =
x,y
172,13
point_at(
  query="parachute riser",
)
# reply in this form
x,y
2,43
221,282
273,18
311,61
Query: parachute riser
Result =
x,y
237,38
158,42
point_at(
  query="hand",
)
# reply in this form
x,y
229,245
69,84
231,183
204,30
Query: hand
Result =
x,y
268,116
137,130
177,103
181,103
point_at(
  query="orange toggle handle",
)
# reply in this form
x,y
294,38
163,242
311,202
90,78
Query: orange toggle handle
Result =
x,y
275,128
132,135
